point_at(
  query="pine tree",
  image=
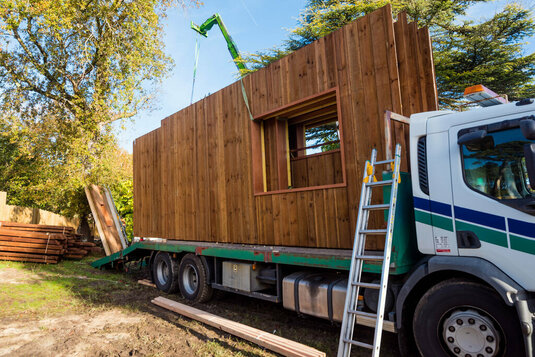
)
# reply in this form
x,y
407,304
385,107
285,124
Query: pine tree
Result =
x,y
465,52
489,53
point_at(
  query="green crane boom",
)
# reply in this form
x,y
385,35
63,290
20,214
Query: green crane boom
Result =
x,y
233,49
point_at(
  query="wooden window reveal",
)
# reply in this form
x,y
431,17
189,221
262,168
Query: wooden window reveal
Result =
x,y
299,146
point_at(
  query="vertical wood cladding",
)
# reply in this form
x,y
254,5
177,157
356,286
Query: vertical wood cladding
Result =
x,y
193,177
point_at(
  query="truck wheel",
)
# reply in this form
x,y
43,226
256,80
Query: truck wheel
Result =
x,y
193,279
165,272
462,318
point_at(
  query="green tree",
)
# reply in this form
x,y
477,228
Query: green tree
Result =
x,y
465,52
68,69
489,53
124,201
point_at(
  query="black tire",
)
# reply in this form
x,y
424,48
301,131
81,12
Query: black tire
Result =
x,y
457,310
193,279
165,272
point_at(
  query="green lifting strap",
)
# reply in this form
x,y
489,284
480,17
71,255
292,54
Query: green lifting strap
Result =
x,y
245,99
197,45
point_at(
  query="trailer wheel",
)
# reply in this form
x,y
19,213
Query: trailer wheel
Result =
x,y
165,272
193,279
462,318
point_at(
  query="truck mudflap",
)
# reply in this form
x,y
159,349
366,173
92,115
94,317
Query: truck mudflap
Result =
x,y
511,292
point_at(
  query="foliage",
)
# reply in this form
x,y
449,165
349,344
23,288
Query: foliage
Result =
x,y
123,195
326,133
43,166
490,53
465,52
68,69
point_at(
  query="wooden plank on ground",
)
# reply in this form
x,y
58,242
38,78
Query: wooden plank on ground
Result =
x,y
146,282
265,339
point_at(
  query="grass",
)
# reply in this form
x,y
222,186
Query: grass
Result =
x,y
59,288
30,292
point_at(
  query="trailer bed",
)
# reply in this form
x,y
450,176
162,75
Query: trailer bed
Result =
x,y
308,257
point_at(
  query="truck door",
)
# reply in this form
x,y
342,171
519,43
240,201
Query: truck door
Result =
x,y
494,201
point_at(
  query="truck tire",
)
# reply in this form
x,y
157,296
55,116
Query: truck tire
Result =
x,y
165,272
463,318
193,279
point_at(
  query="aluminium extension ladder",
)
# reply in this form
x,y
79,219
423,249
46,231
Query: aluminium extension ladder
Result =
x,y
358,257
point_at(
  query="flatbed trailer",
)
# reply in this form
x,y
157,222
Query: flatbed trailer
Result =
x,y
331,266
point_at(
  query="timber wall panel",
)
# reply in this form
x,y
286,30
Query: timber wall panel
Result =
x,y
193,177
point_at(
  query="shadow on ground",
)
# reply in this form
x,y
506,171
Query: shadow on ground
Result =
x,y
76,308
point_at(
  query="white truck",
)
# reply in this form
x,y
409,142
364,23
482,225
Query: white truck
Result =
x,y
473,177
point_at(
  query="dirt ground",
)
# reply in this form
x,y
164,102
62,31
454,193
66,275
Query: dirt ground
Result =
x,y
75,310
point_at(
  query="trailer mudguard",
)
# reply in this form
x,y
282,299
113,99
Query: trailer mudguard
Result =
x,y
512,293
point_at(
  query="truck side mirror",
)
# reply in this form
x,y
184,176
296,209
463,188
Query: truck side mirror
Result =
x,y
527,126
476,140
529,154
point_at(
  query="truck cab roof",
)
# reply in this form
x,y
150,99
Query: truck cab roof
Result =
x,y
442,120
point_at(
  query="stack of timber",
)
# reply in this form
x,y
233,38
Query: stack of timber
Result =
x,y
106,218
41,243
211,174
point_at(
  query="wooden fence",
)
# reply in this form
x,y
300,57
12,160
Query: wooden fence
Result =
x,y
33,215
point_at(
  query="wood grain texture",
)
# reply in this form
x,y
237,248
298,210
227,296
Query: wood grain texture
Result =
x,y
262,338
199,177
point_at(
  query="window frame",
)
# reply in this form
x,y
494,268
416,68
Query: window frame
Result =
x,y
257,143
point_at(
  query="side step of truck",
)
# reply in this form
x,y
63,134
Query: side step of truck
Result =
x,y
351,313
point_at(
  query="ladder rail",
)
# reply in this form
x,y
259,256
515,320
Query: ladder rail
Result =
x,y
387,255
356,264
358,257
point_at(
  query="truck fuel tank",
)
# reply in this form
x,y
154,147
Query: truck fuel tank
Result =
x,y
317,294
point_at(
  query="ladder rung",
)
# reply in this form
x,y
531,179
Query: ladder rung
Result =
x,y
363,314
360,344
373,231
351,313
367,285
380,183
370,257
384,162
377,207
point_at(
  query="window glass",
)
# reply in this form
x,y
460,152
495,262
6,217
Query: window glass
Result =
x,y
497,166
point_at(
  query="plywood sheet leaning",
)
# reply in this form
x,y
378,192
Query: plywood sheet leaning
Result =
x,y
265,339
107,225
210,174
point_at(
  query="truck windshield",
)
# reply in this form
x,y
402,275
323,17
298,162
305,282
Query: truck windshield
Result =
x,y
497,167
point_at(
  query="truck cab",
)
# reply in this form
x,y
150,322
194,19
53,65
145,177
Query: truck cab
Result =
x,y
474,207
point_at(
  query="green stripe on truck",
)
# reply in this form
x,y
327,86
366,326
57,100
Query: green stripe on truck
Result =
x,y
522,244
433,220
484,234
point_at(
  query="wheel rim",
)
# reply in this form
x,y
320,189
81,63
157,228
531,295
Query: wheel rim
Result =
x,y
190,279
162,272
471,333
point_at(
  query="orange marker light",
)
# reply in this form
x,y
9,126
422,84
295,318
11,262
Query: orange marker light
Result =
x,y
483,96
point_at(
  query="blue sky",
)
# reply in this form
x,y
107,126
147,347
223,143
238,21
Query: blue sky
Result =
x,y
254,25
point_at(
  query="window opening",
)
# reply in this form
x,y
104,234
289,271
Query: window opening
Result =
x,y
301,145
